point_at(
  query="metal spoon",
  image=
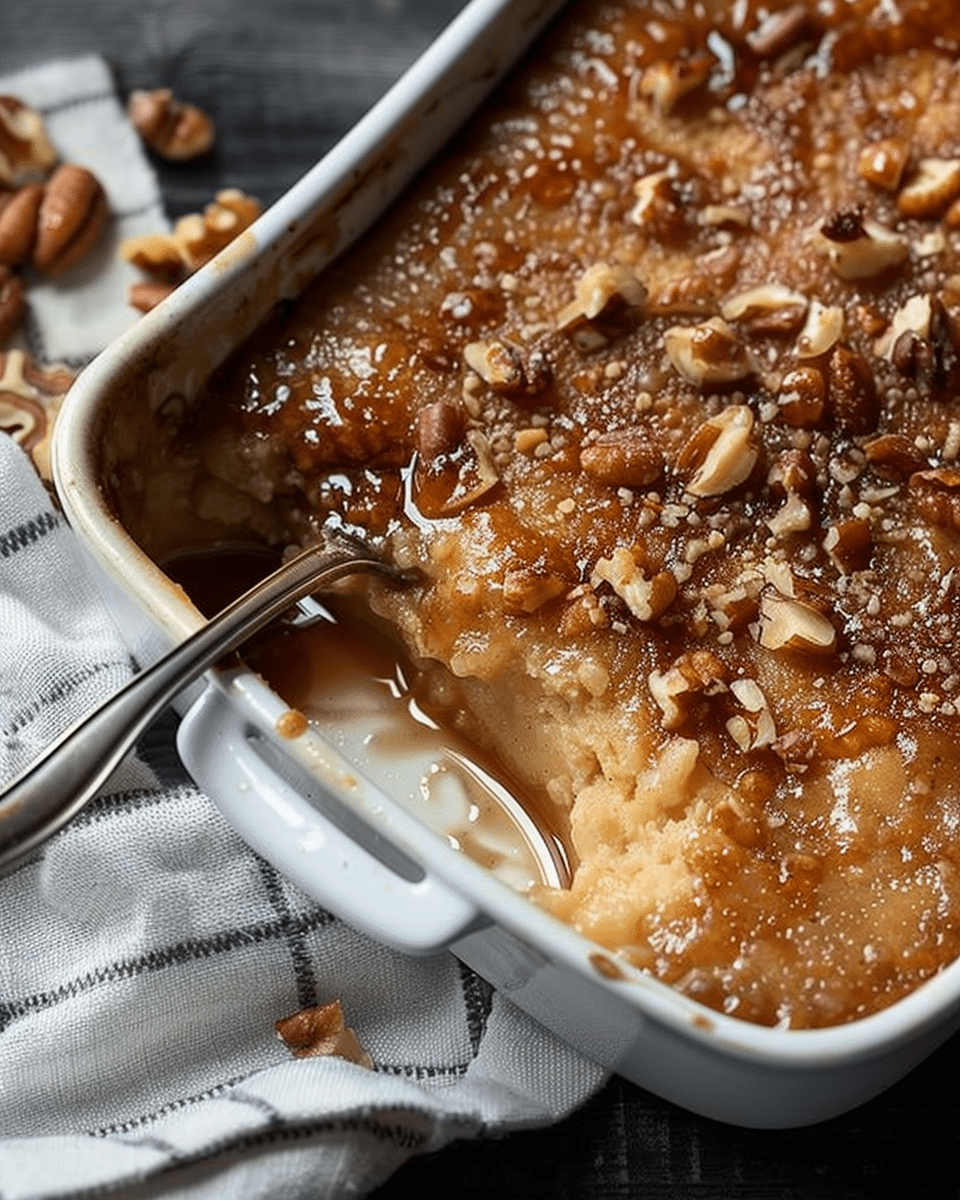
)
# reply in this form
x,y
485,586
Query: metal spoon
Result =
x,y
71,771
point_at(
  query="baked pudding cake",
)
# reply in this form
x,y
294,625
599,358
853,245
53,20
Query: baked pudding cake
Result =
x,y
655,374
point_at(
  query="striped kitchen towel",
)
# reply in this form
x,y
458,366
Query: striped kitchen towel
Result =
x,y
146,952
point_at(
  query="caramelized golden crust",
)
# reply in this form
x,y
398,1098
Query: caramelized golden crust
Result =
x,y
657,372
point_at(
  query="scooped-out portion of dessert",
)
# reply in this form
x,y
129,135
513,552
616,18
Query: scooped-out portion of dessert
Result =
x,y
656,374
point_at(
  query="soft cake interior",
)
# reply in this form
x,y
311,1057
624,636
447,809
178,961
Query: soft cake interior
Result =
x,y
656,374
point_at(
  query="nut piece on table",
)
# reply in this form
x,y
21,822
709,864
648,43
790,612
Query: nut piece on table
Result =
x,y
19,211
26,154
30,398
173,129
201,237
145,296
70,218
170,257
322,1031
12,302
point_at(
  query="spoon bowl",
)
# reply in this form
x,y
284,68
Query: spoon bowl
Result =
x,y
56,786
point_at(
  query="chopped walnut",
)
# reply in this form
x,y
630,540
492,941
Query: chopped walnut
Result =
x,y
26,154
859,248
894,455
698,673
707,353
30,398
658,208
667,82
777,32
937,495
721,454
795,476
599,287
849,545
647,597
146,296
173,129
159,255
526,589
508,369
322,1031
790,624
170,258
767,308
921,341
203,237
822,329
697,289
754,728
931,189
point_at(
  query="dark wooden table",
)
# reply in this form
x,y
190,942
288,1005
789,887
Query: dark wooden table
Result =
x,y
283,80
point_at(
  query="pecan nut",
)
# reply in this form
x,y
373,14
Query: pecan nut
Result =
x,y
937,495
71,217
18,223
25,150
12,302
173,129
623,458
853,393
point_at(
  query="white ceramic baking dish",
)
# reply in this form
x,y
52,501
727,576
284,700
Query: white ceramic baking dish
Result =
x,y
298,800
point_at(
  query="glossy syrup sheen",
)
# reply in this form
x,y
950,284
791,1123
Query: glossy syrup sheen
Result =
x,y
738,671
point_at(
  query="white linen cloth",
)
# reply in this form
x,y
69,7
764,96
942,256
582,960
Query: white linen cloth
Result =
x,y
146,952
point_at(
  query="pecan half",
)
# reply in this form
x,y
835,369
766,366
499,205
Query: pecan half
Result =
x,y
802,398
173,129
854,402
71,217
12,302
19,211
623,458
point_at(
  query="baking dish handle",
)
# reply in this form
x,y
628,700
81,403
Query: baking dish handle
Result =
x,y
294,819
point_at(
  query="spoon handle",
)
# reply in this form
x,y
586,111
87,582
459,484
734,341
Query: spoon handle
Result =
x,y
69,773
